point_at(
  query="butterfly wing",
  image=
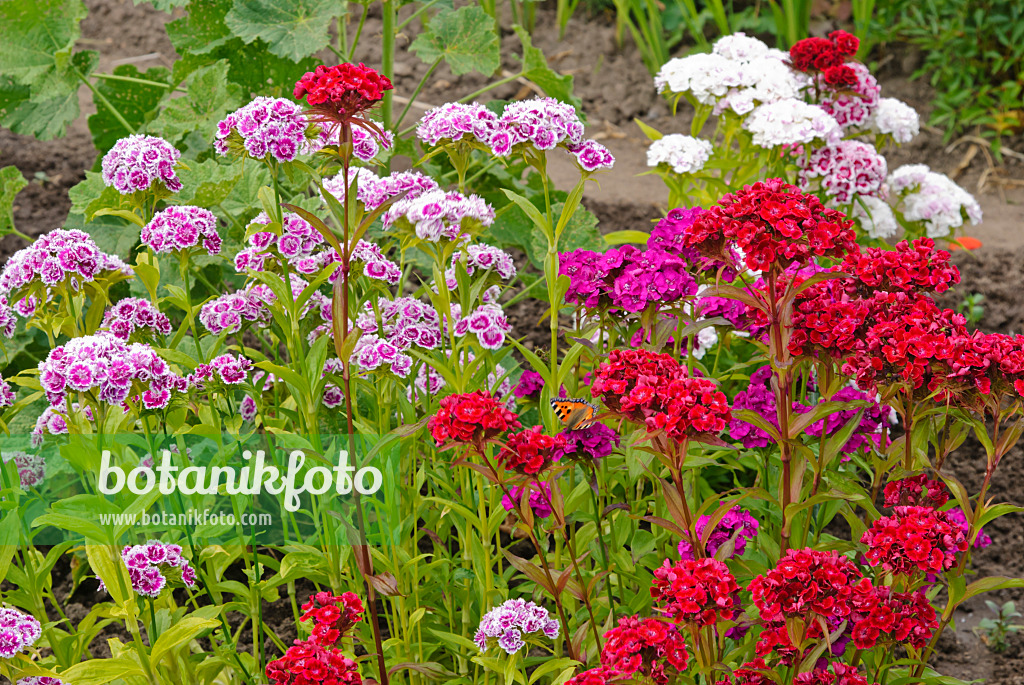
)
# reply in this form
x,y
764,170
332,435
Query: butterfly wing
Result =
x,y
575,414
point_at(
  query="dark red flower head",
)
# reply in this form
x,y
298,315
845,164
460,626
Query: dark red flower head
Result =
x,y
841,76
775,225
342,92
651,647
473,417
919,490
806,582
891,618
846,43
530,451
699,591
306,663
914,539
602,675
814,53
332,616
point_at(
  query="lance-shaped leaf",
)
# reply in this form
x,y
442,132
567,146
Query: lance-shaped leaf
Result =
x,y
465,38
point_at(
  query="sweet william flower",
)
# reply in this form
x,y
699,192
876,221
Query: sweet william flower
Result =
x,y
737,526
180,228
18,632
701,591
509,624
914,539
138,162
344,91
806,582
530,451
473,417
648,648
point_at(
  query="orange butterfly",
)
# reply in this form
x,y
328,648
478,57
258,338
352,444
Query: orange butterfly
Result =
x,y
574,414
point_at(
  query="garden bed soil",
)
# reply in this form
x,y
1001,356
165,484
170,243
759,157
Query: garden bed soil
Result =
x,y
615,88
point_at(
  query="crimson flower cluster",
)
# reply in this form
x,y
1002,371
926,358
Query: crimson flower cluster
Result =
x,y
774,224
316,661
655,390
914,539
907,267
917,491
530,451
332,616
823,54
341,94
473,417
697,591
807,581
644,647
894,617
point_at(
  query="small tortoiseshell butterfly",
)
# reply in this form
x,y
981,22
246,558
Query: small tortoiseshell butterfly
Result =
x,y
574,414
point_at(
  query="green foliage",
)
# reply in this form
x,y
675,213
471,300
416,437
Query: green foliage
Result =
x,y
972,307
974,57
465,38
210,97
994,631
292,28
133,101
11,183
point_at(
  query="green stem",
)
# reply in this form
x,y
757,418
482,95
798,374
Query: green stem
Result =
x,y
103,99
132,79
416,93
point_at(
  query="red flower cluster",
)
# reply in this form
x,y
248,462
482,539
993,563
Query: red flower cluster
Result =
x,y
774,224
914,539
347,89
842,675
841,76
774,638
655,390
307,663
530,451
473,417
700,591
917,491
751,673
603,675
907,267
891,617
821,53
808,581
644,646
332,616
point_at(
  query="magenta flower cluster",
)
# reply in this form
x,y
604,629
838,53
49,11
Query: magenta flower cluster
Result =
x,y
41,680
846,170
135,315
373,190
147,564
54,423
625,278
737,525
265,126
529,386
18,632
108,367
296,245
594,442
231,311
6,394
957,517
181,228
437,215
508,623
59,257
539,499
542,123
375,264
365,144
232,369
137,162
487,322
392,328
31,467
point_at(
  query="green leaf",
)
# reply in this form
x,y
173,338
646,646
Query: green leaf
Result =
x,y
208,183
45,114
253,68
39,37
11,183
111,234
292,28
90,195
210,96
134,101
202,29
465,38
580,234
164,5
102,671
536,69
184,630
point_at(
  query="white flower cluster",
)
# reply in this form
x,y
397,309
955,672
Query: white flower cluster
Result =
x,y
740,73
897,119
791,122
934,199
875,217
685,154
